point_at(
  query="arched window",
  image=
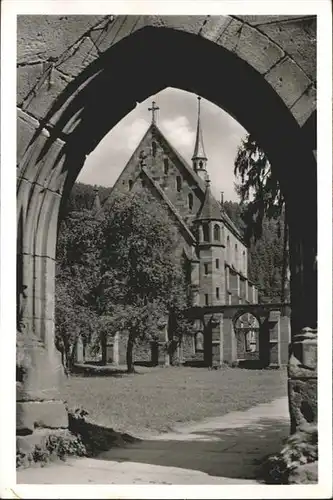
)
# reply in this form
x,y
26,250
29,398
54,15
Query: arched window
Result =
x,y
166,166
217,263
205,228
228,249
217,235
130,184
244,261
236,256
200,164
179,183
154,148
190,201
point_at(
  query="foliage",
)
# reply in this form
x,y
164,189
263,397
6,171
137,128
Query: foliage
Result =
x,y
301,448
82,197
52,447
77,273
117,271
266,254
143,280
95,438
259,189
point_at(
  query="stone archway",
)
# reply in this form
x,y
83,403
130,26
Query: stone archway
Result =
x,y
247,331
86,81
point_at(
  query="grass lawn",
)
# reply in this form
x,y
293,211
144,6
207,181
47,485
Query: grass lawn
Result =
x,y
157,398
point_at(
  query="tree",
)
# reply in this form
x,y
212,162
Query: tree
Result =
x,y
77,275
142,279
259,189
262,200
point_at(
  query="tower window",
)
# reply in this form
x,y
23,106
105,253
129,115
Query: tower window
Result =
x,y
179,183
206,268
130,184
217,293
154,148
200,164
217,263
228,249
166,166
206,299
217,235
190,201
205,228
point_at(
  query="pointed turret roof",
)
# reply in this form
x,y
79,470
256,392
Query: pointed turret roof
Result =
x,y
210,209
199,150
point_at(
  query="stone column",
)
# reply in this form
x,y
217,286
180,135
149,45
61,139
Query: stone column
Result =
x,y
115,357
39,367
79,352
274,338
217,340
163,353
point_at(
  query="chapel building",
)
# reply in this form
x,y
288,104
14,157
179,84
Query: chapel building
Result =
x,y
207,237
230,325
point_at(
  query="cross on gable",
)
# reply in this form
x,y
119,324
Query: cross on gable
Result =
x,y
153,110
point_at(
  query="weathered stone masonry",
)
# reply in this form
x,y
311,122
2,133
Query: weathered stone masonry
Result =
x,y
75,82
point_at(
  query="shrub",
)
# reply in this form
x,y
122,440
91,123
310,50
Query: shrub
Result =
x,y
300,449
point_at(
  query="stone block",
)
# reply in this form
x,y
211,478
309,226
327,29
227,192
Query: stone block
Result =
x,y
26,127
33,414
27,77
40,37
274,316
81,57
302,402
231,34
46,95
189,24
257,49
260,20
114,31
289,81
39,370
305,106
297,38
214,26
26,444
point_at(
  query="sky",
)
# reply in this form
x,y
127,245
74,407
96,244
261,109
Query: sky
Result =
x,y
177,119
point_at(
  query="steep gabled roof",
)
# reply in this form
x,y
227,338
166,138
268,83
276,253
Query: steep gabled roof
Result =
x,y
199,183
170,205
